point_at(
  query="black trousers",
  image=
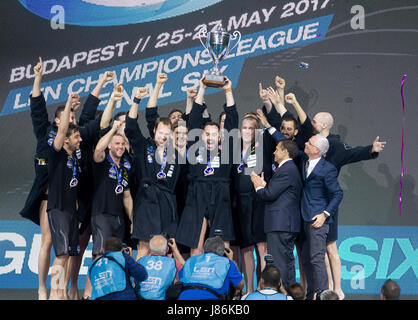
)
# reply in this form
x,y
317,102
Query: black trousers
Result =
x,y
313,248
280,245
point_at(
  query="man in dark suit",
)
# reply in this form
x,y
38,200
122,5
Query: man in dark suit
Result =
x,y
321,196
282,221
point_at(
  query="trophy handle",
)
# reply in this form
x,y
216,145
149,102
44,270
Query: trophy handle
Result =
x,y
203,33
236,34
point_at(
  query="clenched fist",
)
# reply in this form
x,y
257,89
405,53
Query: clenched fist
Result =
x,y
290,98
108,75
141,92
161,78
192,92
117,93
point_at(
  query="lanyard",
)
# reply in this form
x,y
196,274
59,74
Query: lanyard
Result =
x,y
72,164
241,165
119,187
161,174
209,170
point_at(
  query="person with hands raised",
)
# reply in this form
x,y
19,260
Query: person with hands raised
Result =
x,y
112,197
208,203
157,173
63,180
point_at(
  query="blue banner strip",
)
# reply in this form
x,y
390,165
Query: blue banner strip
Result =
x,y
369,255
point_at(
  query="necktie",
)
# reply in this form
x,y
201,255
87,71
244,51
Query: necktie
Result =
x,y
306,168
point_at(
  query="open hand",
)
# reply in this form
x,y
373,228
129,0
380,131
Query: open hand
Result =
x,y
263,118
263,93
378,145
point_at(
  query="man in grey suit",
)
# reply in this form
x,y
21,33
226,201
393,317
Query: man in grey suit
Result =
x,y
321,196
282,219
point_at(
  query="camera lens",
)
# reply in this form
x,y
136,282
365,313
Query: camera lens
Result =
x,y
218,233
268,258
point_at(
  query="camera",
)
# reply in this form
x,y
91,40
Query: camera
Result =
x,y
166,235
169,242
268,258
126,249
218,233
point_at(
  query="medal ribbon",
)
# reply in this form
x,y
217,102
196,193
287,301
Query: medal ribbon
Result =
x,y
163,162
115,167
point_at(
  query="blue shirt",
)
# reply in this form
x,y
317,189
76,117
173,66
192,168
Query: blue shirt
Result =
x,y
134,270
233,278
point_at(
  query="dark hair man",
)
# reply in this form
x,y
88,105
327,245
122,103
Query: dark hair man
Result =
x,y
296,291
210,275
157,172
282,221
63,175
110,273
270,285
112,197
36,202
208,203
328,295
390,290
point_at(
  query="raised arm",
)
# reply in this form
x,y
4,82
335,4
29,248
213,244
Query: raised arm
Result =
x,y
132,130
291,99
191,96
36,91
227,88
153,99
107,76
73,99
38,113
264,98
273,131
195,118
110,107
99,152
140,93
231,119
200,97
89,110
275,98
280,84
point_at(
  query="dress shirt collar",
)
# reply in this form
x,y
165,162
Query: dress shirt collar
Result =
x,y
284,161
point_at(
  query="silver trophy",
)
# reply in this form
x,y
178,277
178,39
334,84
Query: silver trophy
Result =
x,y
217,44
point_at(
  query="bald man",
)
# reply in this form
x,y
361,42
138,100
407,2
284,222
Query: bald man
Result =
x,y
162,270
339,154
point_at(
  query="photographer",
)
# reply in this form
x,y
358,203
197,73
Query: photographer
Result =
x,y
270,284
110,273
209,276
162,270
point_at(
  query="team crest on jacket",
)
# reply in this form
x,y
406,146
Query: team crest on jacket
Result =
x,y
127,165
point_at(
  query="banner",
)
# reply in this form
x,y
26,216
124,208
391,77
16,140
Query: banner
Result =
x,y
369,256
